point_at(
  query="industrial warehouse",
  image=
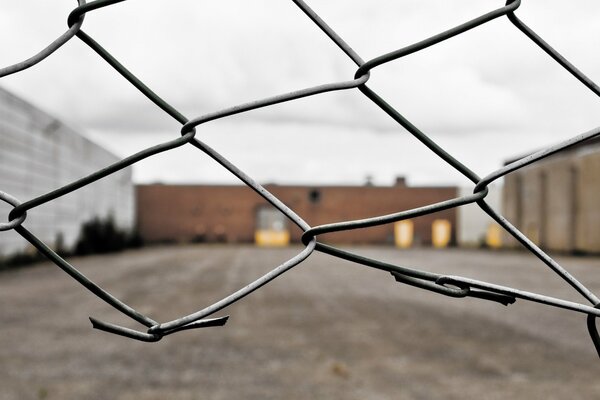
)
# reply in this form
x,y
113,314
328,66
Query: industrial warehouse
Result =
x,y
555,202
38,154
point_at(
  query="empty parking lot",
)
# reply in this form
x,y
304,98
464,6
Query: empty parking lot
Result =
x,y
327,329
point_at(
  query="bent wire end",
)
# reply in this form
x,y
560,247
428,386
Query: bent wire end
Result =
x,y
126,332
203,323
154,337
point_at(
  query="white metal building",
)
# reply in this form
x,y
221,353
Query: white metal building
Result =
x,y
38,153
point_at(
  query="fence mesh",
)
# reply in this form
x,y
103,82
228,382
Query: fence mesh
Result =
x,y
453,286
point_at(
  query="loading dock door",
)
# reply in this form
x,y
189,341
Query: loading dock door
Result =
x,y
271,228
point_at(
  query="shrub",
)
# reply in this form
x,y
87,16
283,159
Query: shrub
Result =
x,y
103,236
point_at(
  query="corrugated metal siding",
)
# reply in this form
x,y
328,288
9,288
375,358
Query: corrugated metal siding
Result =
x,y
557,203
38,154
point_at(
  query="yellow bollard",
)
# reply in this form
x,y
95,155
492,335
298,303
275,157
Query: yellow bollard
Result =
x,y
440,233
493,237
403,234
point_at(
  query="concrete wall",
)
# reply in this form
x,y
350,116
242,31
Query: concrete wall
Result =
x,y
182,213
473,223
38,154
556,212
587,209
556,202
511,206
531,203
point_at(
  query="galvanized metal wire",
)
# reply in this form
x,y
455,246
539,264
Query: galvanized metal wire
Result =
x,y
453,286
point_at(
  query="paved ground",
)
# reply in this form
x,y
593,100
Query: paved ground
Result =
x,y
326,330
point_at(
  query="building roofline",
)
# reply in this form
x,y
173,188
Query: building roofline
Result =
x,y
53,119
585,145
295,186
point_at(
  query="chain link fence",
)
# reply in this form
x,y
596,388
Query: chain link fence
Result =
x,y
453,286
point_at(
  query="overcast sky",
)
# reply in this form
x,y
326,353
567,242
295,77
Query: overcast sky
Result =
x,y
485,96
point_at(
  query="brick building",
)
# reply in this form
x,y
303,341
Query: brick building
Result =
x,y
235,213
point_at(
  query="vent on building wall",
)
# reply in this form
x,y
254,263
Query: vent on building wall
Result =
x,y
314,196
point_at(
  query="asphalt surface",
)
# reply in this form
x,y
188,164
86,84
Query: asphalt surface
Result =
x,y
327,329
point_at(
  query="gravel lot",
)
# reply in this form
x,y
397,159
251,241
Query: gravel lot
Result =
x,y
328,329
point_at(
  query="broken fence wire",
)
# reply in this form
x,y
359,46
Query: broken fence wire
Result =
x,y
452,286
